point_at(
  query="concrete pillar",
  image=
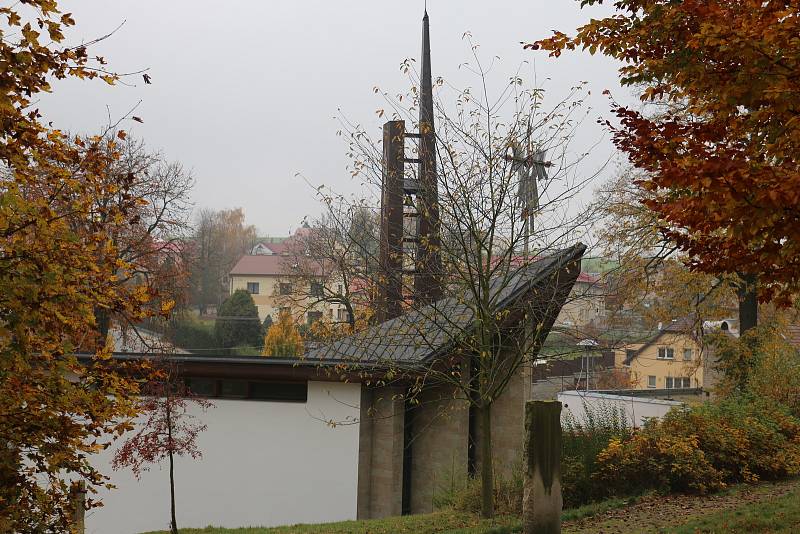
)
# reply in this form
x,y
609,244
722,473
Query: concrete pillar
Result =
x,y
541,499
380,470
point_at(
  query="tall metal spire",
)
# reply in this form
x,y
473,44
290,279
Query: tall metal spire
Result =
x,y
426,82
426,284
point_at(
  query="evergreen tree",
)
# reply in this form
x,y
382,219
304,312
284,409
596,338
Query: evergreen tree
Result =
x,y
237,322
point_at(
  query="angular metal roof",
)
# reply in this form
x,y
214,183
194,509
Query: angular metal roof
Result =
x,y
423,334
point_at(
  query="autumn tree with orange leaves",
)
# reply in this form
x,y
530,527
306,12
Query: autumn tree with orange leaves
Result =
x,y
722,164
59,265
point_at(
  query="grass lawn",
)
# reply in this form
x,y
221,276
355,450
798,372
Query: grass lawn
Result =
x,y
445,521
781,515
762,508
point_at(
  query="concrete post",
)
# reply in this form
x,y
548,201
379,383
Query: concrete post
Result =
x,y
541,499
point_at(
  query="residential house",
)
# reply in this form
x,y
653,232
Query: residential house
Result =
x,y
586,304
270,276
669,358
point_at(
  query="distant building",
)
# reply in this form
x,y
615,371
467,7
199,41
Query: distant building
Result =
x,y
670,358
586,304
269,274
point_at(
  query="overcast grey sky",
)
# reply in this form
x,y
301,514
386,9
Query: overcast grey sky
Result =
x,y
244,93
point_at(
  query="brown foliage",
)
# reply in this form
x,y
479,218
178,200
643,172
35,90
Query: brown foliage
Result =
x,y
721,165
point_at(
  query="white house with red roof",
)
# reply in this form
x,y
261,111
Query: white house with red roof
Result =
x,y
270,275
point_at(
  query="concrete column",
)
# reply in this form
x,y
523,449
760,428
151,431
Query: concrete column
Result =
x,y
380,476
541,499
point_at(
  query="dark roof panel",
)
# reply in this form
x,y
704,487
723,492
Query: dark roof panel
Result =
x,y
423,334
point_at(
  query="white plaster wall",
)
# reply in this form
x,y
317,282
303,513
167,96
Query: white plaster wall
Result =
x,y
263,464
637,409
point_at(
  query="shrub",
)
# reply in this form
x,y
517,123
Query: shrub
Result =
x,y
507,495
738,439
656,458
188,333
283,338
582,441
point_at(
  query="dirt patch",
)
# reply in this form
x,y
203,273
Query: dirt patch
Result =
x,y
657,512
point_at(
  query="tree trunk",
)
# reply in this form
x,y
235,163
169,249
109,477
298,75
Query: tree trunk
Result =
x,y
748,302
173,524
103,320
487,471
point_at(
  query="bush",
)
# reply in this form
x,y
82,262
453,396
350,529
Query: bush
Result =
x,y
582,442
188,333
762,363
739,439
507,495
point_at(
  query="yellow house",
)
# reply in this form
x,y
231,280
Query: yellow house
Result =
x,y
672,359
269,281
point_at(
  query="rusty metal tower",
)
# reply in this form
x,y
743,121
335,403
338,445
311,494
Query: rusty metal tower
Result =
x,y
410,229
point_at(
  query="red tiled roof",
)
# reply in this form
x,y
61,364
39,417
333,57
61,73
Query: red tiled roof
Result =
x,y
276,248
260,265
588,278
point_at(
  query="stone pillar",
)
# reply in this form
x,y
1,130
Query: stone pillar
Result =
x,y
541,499
380,469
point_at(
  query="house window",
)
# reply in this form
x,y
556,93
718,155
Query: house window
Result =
x,y
678,382
651,381
629,354
285,310
341,289
314,316
342,315
317,289
666,353
330,313
687,354
285,288
252,288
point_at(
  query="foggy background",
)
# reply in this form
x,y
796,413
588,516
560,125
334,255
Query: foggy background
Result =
x,y
244,93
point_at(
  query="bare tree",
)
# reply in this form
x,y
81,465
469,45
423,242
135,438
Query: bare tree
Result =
x,y
220,239
508,257
333,263
153,244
